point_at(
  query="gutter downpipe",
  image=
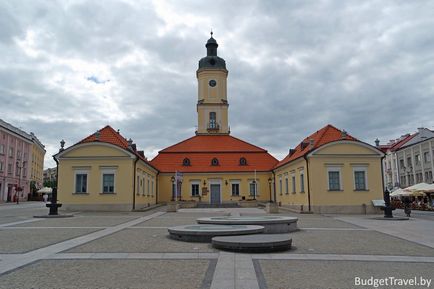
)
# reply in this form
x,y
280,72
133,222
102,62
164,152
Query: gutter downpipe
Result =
x,y
308,182
274,186
134,182
156,187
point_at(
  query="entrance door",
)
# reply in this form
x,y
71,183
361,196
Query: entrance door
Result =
x,y
215,194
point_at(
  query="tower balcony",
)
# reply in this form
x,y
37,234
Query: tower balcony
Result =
x,y
213,126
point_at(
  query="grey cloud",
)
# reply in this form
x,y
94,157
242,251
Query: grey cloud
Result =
x,y
293,67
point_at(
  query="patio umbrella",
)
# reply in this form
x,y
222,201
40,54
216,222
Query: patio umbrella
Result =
x,y
400,192
45,190
421,187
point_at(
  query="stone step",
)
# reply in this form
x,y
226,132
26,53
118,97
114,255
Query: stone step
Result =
x,y
258,243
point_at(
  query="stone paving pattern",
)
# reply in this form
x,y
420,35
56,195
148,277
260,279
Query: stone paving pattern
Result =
x,y
334,274
159,274
132,250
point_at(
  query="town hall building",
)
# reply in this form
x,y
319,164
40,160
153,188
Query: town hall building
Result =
x,y
329,171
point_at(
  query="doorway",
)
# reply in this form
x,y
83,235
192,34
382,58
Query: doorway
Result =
x,y
215,194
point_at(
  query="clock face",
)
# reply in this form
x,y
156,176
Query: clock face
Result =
x,y
212,83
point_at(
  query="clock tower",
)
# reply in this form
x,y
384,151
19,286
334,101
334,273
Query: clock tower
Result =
x,y
212,104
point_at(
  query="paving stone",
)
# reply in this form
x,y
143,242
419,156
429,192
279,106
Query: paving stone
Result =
x,y
141,241
279,274
108,274
19,241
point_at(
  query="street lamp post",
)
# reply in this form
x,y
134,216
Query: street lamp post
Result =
x,y
269,185
18,189
173,191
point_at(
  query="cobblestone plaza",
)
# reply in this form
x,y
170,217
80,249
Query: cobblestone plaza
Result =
x,y
132,250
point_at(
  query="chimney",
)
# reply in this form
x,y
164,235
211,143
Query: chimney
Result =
x,y
291,152
311,142
343,134
97,135
130,144
377,142
134,147
141,153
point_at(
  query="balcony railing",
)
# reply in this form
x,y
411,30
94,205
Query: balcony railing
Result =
x,y
212,125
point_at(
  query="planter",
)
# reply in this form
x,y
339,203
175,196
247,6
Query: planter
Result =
x,y
187,204
271,208
172,207
248,204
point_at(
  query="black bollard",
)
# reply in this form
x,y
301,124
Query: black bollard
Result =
x,y
388,207
53,205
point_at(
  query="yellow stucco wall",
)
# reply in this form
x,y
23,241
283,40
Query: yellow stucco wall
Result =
x,y
296,169
165,186
347,157
94,159
37,165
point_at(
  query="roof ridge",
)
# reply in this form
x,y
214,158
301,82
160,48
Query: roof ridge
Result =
x,y
178,143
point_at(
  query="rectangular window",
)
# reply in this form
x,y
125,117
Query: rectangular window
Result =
x,y
11,152
252,189
293,184
149,191
108,183
152,187
1,166
18,154
286,186
426,157
417,159
81,183
302,182
334,181
280,185
235,189
9,168
17,171
360,180
409,162
401,164
195,190
2,149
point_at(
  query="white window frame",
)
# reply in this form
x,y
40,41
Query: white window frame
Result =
x,y
108,172
360,169
334,169
280,184
195,182
302,188
81,172
236,182
286,185
257,194
293,183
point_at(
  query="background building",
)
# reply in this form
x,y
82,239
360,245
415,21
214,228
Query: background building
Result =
x,y
49,177
415,159
330,172
105,172
37,165
15,160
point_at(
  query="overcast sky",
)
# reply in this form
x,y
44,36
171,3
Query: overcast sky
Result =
x,y
68,68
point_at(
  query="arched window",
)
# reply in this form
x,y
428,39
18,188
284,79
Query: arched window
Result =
x,y
243,162
212,120
214,162
186,162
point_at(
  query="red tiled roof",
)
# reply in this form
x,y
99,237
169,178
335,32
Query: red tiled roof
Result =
x,y
321,137
109,135
402,142
212,143
201,149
